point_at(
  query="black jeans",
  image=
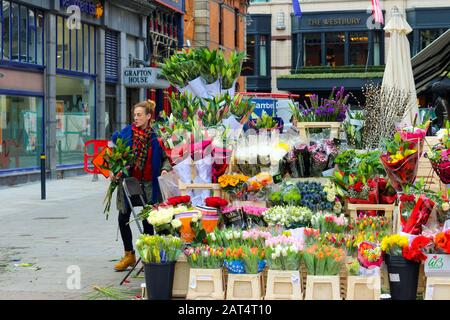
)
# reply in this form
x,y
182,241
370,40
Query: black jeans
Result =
x,y
125,230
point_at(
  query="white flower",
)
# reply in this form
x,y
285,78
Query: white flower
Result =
x,y
273,256
176,223
284,252
194,218
236,235
445,206
213,237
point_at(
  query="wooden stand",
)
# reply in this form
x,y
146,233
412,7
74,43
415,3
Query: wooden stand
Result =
x,y
322,288
283,285
334,126
206,284
352,209
438,288
244,287
363,288
184,187
181,277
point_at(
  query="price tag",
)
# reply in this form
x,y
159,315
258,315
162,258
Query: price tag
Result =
x,y
193,283
394,277
204,278
430,289
295,278
277,178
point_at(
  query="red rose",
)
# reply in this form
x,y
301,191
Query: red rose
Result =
x,y
382,184
358,186
371,183
216,202
174,201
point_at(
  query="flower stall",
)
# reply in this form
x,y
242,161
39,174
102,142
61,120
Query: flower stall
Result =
x,y
260,212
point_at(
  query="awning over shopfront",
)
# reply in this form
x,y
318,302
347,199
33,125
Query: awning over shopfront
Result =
x,y
431,62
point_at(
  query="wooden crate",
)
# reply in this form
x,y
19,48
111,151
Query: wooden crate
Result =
x,y
438,288
245,287
181,277
363,288
322,288
333,126
206,284
283,285
352,210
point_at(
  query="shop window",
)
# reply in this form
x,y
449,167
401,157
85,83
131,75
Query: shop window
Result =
x,y
263,55
377,48
359,48
335,45
76,47
20,132
428,36
313,49
21,39
75,114
248,68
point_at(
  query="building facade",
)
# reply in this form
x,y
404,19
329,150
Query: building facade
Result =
x,y
334,42
216,24
62,78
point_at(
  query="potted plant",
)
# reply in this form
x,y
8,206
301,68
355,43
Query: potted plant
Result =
x,y
159,254
206,275
283,255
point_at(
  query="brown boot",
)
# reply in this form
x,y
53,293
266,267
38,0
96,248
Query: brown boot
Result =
x,y
128,260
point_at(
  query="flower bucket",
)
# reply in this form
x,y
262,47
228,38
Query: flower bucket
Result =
x,y
186,232
403,277
210,222
159,280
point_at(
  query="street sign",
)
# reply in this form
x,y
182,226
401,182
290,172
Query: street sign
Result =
x,y
144,78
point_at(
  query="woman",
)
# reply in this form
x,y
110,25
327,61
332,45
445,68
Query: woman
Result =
x,y
149,163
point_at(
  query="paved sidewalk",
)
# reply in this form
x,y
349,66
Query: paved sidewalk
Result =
x,y
59,236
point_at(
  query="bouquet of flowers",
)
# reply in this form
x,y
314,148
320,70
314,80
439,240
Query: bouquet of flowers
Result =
x,y
266,122
205,257
365,193
254,215
233,184
234,260
255,237
158,249
354,128
327,222
442,241
387,194
371,224
394,244
257,186
163,218
118,161
401,161
369,255
323,260
439,155
225,238
234,217
415,213
311,236
415,132
216,202
289,217
283,253
179,200
326,110
253,258
415,251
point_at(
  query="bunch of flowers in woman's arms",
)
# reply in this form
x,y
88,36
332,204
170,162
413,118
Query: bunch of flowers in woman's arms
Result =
x,y
118,161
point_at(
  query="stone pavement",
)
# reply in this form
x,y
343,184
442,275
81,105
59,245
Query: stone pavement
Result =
x,y
63,237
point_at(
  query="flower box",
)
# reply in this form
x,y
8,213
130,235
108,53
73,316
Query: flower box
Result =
x,y
206,284
245,287
322,288
283,285
363,288
438,288
181,277
333,126
437,265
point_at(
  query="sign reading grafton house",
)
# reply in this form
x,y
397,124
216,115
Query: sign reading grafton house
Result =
x,y
144,78
335,21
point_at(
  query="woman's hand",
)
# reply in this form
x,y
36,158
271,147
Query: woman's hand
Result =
x,y
164,172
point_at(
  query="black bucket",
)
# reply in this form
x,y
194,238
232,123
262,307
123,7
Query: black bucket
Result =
x,y
159,280
403,277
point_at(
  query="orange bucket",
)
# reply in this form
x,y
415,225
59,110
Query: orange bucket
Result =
x,y
186,233
210,222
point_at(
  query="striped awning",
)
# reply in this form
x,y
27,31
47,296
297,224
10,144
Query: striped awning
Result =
x,y
431,62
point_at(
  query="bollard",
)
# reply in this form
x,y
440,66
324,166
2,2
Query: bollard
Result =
x,y
43,196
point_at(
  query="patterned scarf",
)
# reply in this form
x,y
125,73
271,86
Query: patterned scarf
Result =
x,y
141,143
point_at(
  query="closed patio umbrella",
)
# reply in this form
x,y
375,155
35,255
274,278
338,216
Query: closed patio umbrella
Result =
x,y
398,72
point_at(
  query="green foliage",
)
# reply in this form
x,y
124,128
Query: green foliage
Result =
x,y
314,76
